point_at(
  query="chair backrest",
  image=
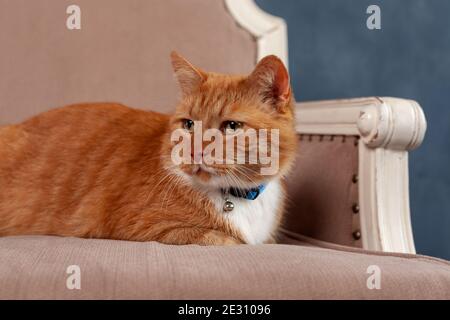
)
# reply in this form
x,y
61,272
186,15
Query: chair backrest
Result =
x,y
120,54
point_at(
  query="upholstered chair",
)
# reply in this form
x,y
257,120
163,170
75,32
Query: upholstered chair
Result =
x,y
348,213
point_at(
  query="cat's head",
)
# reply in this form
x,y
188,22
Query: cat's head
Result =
x,y
247,116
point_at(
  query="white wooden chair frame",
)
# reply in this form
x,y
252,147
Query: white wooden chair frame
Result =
x,y
388,128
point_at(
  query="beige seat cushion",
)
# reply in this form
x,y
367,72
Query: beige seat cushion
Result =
x,y
35,267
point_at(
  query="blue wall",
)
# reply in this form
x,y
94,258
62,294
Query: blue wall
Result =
x,y
332,54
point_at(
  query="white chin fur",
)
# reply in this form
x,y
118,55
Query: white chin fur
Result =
x,y
254,219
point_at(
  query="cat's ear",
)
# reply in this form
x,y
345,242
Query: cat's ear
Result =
x,y
271,80
188,76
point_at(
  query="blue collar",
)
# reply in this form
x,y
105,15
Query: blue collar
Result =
x,y
249,194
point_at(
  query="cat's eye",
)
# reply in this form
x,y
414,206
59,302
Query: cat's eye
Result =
x,y
188,124
232,125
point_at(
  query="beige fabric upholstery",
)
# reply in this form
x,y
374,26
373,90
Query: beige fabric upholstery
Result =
x,y
321,190
121,53
35,268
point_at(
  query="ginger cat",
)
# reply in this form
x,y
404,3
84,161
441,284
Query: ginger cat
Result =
x,y
104,170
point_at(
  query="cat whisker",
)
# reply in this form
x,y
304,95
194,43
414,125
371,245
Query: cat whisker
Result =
x,y
241,171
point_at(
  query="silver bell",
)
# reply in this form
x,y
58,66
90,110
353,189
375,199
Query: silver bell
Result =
x,y
228,206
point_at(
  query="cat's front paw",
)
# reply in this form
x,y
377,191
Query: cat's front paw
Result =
x,y
217,238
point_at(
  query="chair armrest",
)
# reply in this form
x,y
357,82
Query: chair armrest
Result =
x,y
387,128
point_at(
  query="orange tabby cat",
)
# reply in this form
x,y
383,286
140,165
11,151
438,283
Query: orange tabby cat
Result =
x,y
104,170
